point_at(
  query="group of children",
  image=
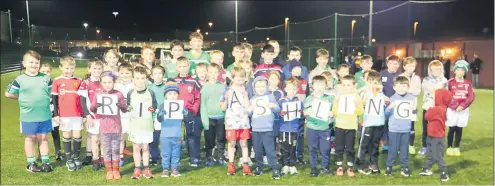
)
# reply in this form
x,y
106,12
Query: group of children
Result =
x,y
266,108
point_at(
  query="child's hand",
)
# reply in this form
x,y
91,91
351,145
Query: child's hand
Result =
x,y
129,108
330,114
151,109
89,121
162,112
283,113
413,106
459,108
271,105
392,106
57,119
307,113
387,100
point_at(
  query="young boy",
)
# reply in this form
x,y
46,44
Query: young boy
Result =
x,y
436,117
289,126
330,91
236,104
409,66
263,109
346,120
248,68
317,125
373,121
212,116
388,76
148,55
399,114
322,61
366,62
124,84
196,55
294,54
217,58
238,54
67,110
189,91
32,89
171,134
277,59
434,80
248,51
458,110
177,48
157,86
201,74
267,65
142,104
87,92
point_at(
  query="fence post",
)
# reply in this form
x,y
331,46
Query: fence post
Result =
x,y
335,41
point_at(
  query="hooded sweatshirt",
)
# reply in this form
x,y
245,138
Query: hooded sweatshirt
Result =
x,y
287,71
290,126
430,83
437,115
396,124
211,94
414,84
263,123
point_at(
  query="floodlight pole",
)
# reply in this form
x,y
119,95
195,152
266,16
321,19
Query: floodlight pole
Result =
x,y
370,27
10,26
29,24
236,25
335,40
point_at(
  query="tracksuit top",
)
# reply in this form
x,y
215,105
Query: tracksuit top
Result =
x,y
388,82
373,120
263,123
290,126
189,91
169,127
395,124
314,123
211,94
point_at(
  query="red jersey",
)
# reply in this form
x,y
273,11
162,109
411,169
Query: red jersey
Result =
x,y
437,115
69,104
302,87
265,69
462,93
222,76
88,90
189,91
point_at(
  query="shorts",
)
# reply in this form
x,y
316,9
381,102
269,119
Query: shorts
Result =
x,y
54,124
141,137
96,127
126,124
457,119
238,134
68,124
33,128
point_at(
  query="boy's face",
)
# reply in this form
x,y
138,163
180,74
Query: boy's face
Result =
x,y
248,54
366,65
319,86
238,54
172,95
125,74
291,90
95,70
238,80
31,64
296,71
276,47
68,70
260,87
107,83
436,71
322,61
139,80
329,81
148,55
177,51
294,55
401,88
268,57
111,59
46,70
182,68
157,75
248,68
409,68
459,72
273,80
392,66
196,43
343,72
213,74
347,86
202,73
217,59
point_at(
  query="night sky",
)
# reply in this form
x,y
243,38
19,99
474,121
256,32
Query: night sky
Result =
x,y
463,17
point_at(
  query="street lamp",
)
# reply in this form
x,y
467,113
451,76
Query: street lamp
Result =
x,y
267,38
373,40
415,27
206,33
98,31
245,39
85,25
225,39
352,27
115,14
210,24
198,30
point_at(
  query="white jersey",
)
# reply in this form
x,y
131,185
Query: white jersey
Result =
x,y
124,87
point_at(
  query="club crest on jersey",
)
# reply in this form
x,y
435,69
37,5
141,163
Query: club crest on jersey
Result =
x,y
303,87
62,91
189,89
76,84
384,79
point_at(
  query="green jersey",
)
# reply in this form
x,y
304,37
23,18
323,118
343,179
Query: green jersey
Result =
x,y
315,123
211,94
171,69
33,96
359,79
193,61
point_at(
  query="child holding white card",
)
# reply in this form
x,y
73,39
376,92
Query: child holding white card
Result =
x,y
346,108
399,112
110,126
317,108
373,122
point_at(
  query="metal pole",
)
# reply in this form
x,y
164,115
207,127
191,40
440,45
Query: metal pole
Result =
x,y
236,25
10,26
335,40
370,27
288,39
29,24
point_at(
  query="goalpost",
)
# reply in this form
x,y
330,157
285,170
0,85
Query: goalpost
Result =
x,y
131,57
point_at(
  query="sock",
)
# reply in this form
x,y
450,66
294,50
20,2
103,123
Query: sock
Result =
x,y
89,154
458,137
31,159
121,158
56,139
95,161
145,167
67,148
102,159
45,158
77,147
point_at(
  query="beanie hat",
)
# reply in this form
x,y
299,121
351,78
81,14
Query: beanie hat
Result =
x,y
294,63
171,86
461,64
